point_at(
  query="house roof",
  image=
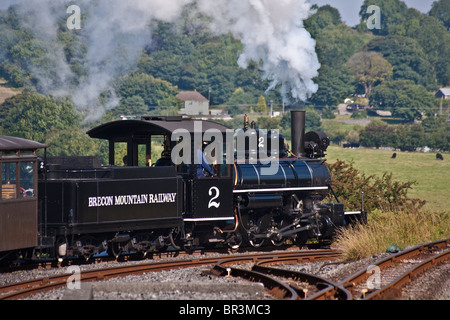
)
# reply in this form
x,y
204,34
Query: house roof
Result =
x,y
442,92
191,96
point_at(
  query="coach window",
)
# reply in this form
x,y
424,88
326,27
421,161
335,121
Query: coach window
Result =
x,y
9,180
26,179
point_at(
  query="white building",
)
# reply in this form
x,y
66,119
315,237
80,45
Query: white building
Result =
x,y
194,103
443,94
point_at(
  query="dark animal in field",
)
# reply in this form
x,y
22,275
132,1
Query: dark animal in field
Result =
x,y
439,156
394,155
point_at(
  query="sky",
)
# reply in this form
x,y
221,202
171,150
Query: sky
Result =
x,y
349,9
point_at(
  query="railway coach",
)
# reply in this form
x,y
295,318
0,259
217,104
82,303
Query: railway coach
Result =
x,y
19,227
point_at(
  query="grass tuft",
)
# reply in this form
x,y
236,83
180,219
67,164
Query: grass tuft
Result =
x,y
385,228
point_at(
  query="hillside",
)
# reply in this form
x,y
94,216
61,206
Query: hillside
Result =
x,y
6,91
63,67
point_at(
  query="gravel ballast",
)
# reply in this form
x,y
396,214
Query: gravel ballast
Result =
x,y
197,283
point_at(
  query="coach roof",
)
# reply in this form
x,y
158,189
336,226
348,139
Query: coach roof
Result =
x,y
151,126
8,143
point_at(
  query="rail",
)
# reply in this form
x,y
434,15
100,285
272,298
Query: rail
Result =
x,y
23,289
276,281
368,283
282,284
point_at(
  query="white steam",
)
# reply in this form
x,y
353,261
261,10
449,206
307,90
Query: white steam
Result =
x,y
117,31
271,31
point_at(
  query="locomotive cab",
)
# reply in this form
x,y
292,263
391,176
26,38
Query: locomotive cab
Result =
x,y
206,200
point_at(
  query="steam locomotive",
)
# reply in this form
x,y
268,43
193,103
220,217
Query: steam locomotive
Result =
x,y
260,192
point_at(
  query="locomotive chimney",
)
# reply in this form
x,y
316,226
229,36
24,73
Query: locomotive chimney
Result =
x,y
298,132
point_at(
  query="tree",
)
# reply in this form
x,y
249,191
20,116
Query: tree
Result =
x,y
133,105
430,31
79,143
407,57
376,134
434,39
312,122
437,132
404,99
261,106
328,113
34,116
240,101
352,136
336,43
191,57
334,85
416,135
393,16
267,123
441,11
154,92
324,16
334,131
369,68
15,53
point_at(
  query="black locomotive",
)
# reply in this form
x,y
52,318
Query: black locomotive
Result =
x,y
258,191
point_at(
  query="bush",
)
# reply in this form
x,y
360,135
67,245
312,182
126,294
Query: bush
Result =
x,y
393,217
379,193
433,132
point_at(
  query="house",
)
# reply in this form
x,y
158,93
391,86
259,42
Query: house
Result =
x,y
194,103
443,94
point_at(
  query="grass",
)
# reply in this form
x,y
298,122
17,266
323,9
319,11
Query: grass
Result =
x,y
432,176
385,228
400,228
6,91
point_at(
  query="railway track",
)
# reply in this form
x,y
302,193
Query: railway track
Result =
x,y
384,279
305,285
23,289
282,284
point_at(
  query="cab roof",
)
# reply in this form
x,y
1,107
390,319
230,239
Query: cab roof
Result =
x,y
122,129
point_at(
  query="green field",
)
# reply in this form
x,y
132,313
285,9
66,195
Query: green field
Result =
x,y
432,176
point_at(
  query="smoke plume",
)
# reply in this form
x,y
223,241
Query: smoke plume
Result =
x,y
117,31
271,31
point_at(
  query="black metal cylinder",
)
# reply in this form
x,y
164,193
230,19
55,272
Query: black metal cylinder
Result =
x,y
298,132
260,201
